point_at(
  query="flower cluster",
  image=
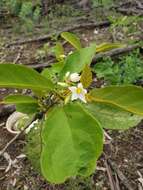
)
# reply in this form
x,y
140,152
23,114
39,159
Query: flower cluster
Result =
x,y
78,92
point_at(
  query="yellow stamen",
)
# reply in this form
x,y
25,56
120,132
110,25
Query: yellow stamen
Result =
x,y
78,90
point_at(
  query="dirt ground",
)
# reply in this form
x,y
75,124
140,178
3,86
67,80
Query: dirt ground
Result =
x,y
121,164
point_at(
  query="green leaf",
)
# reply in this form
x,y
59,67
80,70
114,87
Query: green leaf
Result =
x,y
19,76
18,99
112,117
72,39
52,71
108,46
59,51
24,104
77,60
30,108
72,143
129,98
86,76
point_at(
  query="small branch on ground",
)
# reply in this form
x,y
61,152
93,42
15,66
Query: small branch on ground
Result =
x,y
120,175
130,11
111,53
67,29
113,169
110,177
115,52
18,55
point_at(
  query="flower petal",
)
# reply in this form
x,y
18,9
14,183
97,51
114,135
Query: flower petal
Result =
x,y
84,91
80,85
74,77
74,96
82,97
72,89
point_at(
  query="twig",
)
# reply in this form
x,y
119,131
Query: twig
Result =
x,y
130,11
115,52
17,136
18,55
109,173
71,28
110,53
121,176
42,65
117,182
139,4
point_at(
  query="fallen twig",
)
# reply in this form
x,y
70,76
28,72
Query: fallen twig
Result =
x,y
41,66
18,55
109,173
117,182
71,28
130,11
120,175
115,52
110,53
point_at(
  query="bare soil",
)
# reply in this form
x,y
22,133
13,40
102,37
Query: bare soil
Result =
x,y
122,160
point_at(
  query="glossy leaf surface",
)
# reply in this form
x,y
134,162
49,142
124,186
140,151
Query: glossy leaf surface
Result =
x,y
19,76
129,98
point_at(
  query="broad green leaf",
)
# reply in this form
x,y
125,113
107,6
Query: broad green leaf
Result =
x,y
77,60
29,108
113,117
24,104
59,51
86,76
52,71
47,73
19,76
72,143
108,46
72,39
129,98
18,99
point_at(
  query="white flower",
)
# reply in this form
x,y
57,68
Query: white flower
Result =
x,y
78,92
74,77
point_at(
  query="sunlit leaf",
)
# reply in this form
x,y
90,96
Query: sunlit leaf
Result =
x,y
72,143
77,60
72,39
19,76
108,46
